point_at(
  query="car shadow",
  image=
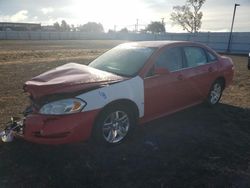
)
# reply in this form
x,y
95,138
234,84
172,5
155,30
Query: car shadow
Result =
x,y
195,147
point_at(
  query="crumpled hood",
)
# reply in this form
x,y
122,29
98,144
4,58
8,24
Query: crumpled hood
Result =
x,y
68,78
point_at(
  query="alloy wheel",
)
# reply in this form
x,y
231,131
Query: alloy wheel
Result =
x,y
115,126
215,93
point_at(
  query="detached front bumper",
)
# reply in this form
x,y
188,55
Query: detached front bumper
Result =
x,y
59,129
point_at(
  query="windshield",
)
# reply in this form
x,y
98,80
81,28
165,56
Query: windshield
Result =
x,y
123,60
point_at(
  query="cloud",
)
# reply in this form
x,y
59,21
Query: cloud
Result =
x,y
217,13
47,10
19,16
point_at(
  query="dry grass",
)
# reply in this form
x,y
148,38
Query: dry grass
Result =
x,y
239,93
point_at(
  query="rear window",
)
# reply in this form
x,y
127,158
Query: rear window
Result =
x,y
195,56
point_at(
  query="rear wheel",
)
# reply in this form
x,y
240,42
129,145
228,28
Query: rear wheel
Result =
x,y
215,93
114,125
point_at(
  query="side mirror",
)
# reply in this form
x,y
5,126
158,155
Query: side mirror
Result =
x,y
160,71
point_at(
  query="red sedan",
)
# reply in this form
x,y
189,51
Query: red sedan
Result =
x,y
131,84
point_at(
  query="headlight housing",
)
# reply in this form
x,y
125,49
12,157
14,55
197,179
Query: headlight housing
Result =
x,y
61,107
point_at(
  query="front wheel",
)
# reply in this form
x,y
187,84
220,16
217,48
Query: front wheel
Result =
x,y
114,125
215,93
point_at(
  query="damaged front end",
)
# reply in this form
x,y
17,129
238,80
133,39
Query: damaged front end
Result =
x,y
14,128
36,127
56,115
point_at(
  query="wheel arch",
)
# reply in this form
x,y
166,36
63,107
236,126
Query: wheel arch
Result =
x,y
131,105
123,102
222,80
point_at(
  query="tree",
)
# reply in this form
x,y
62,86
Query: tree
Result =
x,y
124,30
56,26
111,31
188,16
91,27
64,26
155,27
73,28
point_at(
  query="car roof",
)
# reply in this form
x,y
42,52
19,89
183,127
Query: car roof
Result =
x,y
157,44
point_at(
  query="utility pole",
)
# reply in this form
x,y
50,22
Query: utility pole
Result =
x,y
136,25
230,35
162,21
163,24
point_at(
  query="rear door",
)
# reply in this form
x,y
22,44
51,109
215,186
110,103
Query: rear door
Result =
x,y
166,93
202,67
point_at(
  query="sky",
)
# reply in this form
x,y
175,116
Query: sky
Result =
x,y
217,14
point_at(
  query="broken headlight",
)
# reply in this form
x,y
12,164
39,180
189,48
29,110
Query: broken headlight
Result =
x,y
60,107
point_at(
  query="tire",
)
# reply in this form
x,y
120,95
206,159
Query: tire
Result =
x,y
215,93
114,125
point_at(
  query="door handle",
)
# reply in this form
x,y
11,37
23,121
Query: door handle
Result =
x,y
210,69
180,77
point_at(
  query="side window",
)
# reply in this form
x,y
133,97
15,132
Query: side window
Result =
x,y
170,59
211,57
195,56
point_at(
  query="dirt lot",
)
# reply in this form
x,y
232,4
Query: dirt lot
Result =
x,y
198,147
